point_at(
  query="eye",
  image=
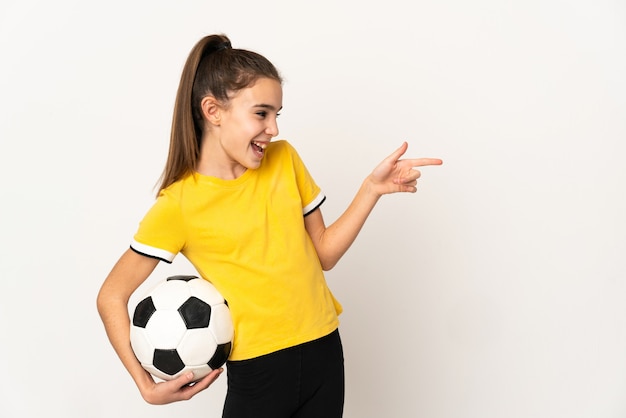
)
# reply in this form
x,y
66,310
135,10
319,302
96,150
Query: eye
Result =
x,y
262,113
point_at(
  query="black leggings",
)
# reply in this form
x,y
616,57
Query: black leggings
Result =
x,y
305,381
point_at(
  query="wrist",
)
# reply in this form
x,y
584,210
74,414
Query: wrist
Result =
x,y
371,188
144,381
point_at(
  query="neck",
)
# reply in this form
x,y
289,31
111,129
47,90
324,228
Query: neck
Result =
x,y
215,162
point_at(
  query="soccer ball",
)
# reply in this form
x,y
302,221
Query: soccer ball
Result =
x,y
183,324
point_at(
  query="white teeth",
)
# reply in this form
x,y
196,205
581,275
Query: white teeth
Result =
x,y
262,146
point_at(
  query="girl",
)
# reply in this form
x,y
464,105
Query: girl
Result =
x,y
246,213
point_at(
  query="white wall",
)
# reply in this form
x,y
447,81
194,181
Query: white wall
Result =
x,y
496,291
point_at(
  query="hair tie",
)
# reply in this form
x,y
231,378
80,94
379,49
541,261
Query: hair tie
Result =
x,y
222,46
212,50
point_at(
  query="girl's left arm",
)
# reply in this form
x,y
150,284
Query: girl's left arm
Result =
x,y
392,175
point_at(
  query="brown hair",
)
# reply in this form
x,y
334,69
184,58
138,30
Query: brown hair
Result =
x,y
215,69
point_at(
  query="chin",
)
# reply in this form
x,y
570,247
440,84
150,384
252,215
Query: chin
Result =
x,y
253,165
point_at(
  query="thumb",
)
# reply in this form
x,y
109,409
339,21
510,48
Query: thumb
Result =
x,y
395,156
183,380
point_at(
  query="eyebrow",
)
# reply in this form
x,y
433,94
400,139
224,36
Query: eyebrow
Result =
x,y
267,106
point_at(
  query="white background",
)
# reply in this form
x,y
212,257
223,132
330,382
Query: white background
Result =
x,y
497,291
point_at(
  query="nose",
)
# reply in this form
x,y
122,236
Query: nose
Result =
x,y
272,127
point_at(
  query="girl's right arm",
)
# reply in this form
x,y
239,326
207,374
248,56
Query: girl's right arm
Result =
x,y
128,273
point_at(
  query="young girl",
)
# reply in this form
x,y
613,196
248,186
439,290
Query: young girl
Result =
x,y
246,213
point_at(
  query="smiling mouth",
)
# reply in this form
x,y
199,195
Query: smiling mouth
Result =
x,y
259,148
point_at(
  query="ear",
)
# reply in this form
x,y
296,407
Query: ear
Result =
x,y
211,110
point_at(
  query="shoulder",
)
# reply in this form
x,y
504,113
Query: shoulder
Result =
x,y
282,149
177,191
281,145
171,191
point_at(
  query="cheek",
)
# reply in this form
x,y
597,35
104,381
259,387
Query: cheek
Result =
x,y
244,130
250,130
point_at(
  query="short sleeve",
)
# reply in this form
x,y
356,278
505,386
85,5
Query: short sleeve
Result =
x,y
161,232
310,193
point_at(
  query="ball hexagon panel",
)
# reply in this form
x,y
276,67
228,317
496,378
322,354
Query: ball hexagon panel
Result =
x,y
141,345
165,329
170,294
200,371
205,291
188,347
222,329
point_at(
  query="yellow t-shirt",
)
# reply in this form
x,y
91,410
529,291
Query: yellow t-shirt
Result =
x,y
247,237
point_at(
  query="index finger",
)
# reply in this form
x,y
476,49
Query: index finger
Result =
x,y
421,162
191,390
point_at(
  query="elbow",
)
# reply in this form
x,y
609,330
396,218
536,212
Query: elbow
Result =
x,y
329,259
100,303
105,300
327,264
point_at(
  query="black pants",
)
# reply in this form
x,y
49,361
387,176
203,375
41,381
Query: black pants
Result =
x,y
305,381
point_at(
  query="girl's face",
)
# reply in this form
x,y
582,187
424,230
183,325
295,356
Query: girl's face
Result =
x,y
247,125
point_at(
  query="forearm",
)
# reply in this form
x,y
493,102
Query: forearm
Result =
x,y
127,274
114,314
333,241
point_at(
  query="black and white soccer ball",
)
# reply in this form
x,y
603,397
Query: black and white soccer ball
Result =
x,y
182,324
